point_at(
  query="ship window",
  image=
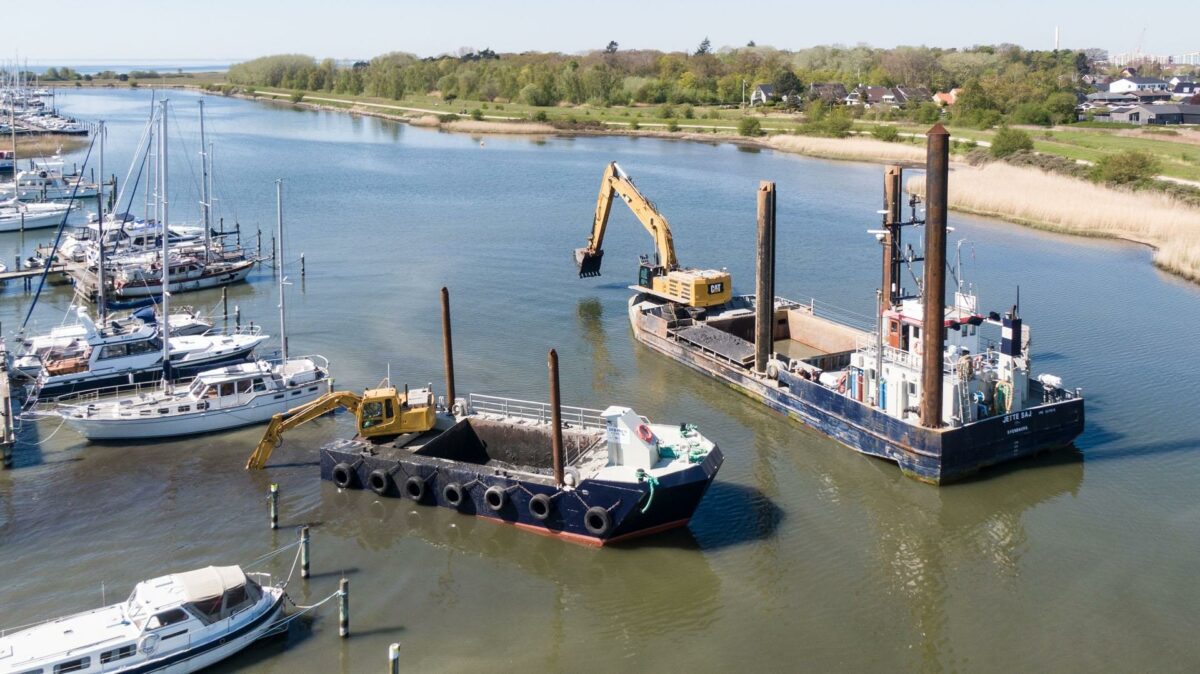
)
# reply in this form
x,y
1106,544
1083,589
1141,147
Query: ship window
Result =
x,y
260,385
144,346
166,618
244,386
113,351
77,665
227,389
209,610
115,654
236,599
916,332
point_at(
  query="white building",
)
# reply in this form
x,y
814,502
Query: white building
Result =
x,y
1129,84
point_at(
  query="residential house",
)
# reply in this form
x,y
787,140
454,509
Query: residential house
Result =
x,y
944,98
872,97
908,96
1151,96
762,93
1168,113
1185,89
828,92
1130,84
1181,79
1104,99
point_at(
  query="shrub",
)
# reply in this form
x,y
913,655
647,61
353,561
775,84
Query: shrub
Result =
x,y
666,112
634,125
1031,113
1008,141
297,96
1125,168
445,119
749,126
688,112
886,133
477,114
672,126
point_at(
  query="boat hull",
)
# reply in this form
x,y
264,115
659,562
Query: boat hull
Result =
x,y
235,275
195,423
36,221
936,456
674,500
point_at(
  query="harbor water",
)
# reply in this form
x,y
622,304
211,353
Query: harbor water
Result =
x,y
803,555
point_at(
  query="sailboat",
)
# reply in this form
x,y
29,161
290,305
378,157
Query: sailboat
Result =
x,y
16,215
216,400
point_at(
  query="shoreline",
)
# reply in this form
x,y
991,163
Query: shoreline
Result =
x,y
1171,255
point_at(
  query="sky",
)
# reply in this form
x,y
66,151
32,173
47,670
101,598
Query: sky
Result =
x,y
156,31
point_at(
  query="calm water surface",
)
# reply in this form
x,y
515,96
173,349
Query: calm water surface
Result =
x,y
803,556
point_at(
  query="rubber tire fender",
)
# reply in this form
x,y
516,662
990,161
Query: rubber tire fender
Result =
x,y
344,476
597,521
452,493
495,498
540,507
414,488
379,481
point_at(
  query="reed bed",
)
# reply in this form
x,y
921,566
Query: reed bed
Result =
x,y
44,145
1073,206
484,126
855,149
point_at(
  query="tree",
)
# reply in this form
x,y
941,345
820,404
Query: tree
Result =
x,y
787,84
1125,168
612,47
751,44
705,47
1008,141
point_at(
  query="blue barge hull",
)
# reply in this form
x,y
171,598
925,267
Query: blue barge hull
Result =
x,y
936,456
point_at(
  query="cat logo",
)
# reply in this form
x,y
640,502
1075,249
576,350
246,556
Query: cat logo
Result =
x,y
716,288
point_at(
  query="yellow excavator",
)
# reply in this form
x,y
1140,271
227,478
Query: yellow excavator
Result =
x,y
381,414
662,276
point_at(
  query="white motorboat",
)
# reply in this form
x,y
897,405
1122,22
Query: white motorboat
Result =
x,y
178,623
187,272
217,400
83,357
16,215
48,185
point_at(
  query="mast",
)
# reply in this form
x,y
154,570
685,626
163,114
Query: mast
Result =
x,y
279,261
102,312
164,330
205,204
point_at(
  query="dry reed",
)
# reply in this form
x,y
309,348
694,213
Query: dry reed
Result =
x,y
474,126
856,149
1073,206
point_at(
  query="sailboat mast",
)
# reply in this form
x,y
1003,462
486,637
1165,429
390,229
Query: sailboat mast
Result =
x,y
102,312
279,263
205,202
164,331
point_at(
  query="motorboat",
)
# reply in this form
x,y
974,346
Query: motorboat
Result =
x,y
178,623
17,215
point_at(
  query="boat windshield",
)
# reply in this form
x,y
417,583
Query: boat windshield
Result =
x,y
135,612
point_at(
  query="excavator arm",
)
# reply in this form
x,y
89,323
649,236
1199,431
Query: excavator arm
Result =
x,y
297,416
614,183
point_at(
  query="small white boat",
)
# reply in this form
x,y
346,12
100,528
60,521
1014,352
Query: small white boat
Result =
x,y
217,400
178,623
15,215
48,185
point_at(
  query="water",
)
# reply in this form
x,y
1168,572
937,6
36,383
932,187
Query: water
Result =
x,y
803,556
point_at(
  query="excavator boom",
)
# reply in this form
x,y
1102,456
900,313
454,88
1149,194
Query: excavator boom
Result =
x,y
297,416
615,182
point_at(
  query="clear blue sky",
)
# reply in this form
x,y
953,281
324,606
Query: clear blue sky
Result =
x,y
149,31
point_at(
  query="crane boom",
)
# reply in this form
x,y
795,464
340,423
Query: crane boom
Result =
x,y
297,416
616,182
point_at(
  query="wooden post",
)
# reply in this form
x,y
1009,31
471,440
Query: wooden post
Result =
x,y
937,176
892,201
344,608
394,659
274,499
302,270
556,437
304,542
448,348
260,243
764,324
225,303
237,316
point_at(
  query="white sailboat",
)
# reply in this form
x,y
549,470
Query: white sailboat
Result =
x,y
216,400
17,215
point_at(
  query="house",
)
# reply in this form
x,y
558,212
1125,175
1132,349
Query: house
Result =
x,y
872,97
1104,99
908,96
1169,113
1181,79
944,98
1129,84
762,93
1184,89
829,92
1152,95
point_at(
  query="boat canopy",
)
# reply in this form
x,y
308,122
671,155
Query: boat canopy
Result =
x,y
209,582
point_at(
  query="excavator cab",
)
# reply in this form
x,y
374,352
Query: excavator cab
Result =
x,y
588,262
385,411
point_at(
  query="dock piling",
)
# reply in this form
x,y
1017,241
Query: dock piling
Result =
x,y
260,243
764,322
394,659
448,348
302,270
556,436
237,316
344,608
225,303
893,198
274,499
937,177
304,543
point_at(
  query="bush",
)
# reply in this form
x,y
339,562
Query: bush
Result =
x,y
540,116
672,127
1125,168
688,112
477,114
749,126
886,133
634,125
666,112
297,96
1031,113
446,119
1008,141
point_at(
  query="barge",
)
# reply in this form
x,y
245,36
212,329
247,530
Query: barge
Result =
x,y
925,388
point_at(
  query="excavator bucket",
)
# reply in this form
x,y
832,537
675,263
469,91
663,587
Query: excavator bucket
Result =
x,y
588,263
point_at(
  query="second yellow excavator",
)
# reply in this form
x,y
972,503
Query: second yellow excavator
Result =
x,y
380,413
661,276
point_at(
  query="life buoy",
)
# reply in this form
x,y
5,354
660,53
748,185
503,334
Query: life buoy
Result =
x,y
380,481
453,494
540,506
645,433
597,521
414,488
148,644
344,476
495,497
842,384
